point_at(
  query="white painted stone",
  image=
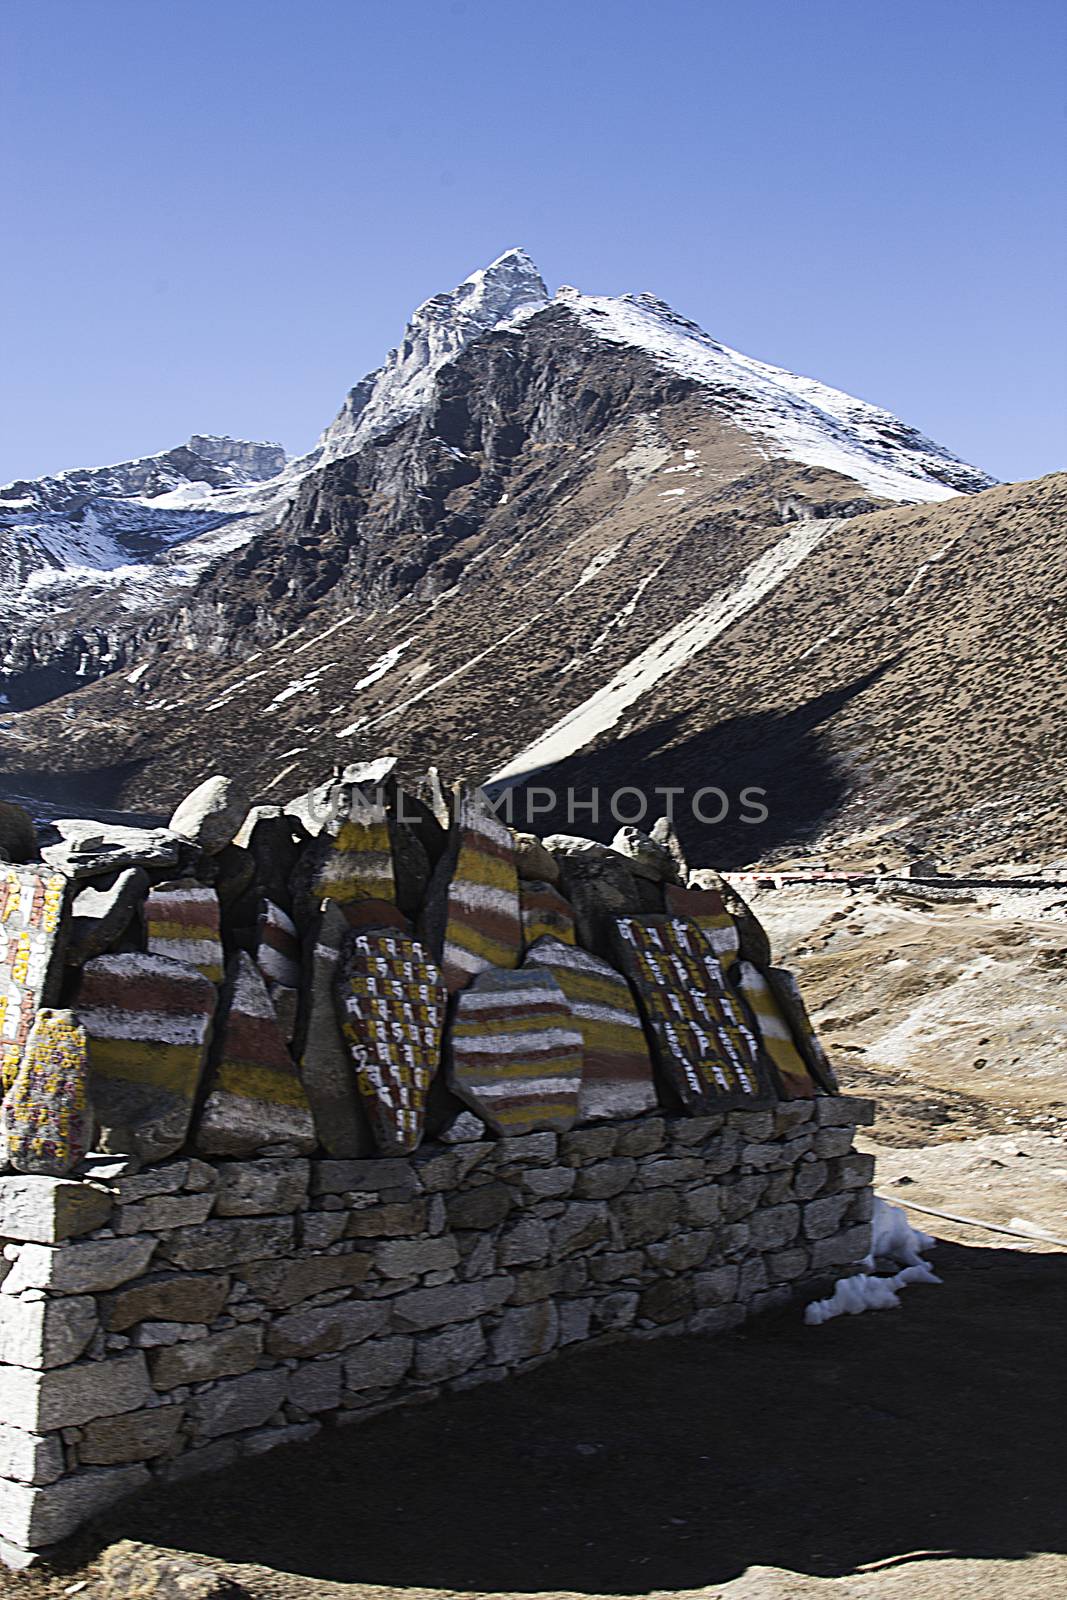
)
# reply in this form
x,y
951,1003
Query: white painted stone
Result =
x,y
66,1396
45,1333
91,1267
30,1457
47,1210
36,1516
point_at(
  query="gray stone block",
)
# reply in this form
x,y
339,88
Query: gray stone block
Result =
x,y
843,1111
718,1319
843,1249
784,1266
853,1171
322,1329
378,1364
667,1301
404,1258
683,1252
228,1241
809,1178
602,1180
642,1138
90,1266
548,1183
688,1131
35,1517
266,1187
615,1312
644,1218
479,1208
703,1206
670,1172
64,1397
527,1150
583,1145
830,1142
527,1240
137,1436
45,1333
48,1210
752,1278
773,1227
218,1355
617,1265
167,1297
163,1212
390,1180
824,1217
440,1356
574,1319
388,1221
791,1115
238,1403
716,1288
30,1457
583,1225
316,1385
421,1309
742,1197
524,1332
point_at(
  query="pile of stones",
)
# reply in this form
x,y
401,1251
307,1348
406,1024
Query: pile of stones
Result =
x,y
364,968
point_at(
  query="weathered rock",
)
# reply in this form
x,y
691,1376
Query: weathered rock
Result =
x,y
30,1457
786,991
218,1355
321,1329
64,1397
616,1066
102,911
463,1129
166,1297
378,1365
702,1045
129,1569
278,947
212,814
268,1187
534,862
647,857
600,885
440,1356
479,1208
255,1099
545,913
46,1121
391,1002
137,1436
793,1079
148,1021
229,1241
36,1517
34,915
18,836
446,1304
470,919
91,1267
280,1284
753,943
89,849
273,838
515,1053
325,1064
238,1403
45,1333
524,1332
48,1210
182,922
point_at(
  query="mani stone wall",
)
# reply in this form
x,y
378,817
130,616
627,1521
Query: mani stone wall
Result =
x,y
166,1323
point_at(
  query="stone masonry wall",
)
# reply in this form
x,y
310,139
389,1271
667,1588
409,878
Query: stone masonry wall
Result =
x,y
163,1324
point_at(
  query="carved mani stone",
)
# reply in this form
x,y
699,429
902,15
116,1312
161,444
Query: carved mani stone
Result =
x,y
707,909
616,1067
391,1001
515,1053
148,1022
47,1119
775,1034
255,1101
182,922
34,911
701,1042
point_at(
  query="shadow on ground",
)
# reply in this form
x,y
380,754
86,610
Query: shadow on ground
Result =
x,y
783,756
681,1462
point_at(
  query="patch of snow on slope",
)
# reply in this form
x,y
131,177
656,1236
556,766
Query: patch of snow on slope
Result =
x,y
667,654
792,416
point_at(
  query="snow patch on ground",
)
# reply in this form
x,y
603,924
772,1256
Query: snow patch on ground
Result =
x,y
894,1239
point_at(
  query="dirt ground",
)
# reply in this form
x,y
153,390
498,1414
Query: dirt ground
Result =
x,y
913,1454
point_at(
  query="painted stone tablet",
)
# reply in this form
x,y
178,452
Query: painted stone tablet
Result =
x,y
775,1034
545,913
47,1120
255,1101
34,917
515,1053
706,908
182,922
471,918
787,993
321,1050
278,946
699,1037
616,1066
391,1001
148,1021
352,859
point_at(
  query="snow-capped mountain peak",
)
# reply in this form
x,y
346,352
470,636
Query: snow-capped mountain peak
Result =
x,y
505,291
788,415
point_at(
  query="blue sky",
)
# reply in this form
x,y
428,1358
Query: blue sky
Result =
x,y
219,213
